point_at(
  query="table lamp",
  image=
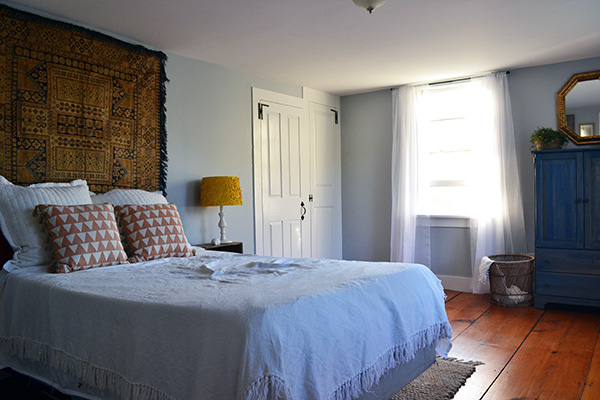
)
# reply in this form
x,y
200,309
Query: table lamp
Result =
x,y
221,191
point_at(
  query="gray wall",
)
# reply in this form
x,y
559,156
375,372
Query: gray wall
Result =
x,y
366,164
366,175
209,132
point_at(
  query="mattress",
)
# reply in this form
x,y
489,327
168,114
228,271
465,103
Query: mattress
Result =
x,y
222,326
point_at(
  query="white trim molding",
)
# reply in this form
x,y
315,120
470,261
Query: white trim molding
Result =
x,y
458,283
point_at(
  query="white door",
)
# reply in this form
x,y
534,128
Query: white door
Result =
x,y
326,182
282,179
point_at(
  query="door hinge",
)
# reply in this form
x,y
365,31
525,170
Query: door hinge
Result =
x,y
335,112
260,110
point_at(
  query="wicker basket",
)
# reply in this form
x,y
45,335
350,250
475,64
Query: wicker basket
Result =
x,y
511,280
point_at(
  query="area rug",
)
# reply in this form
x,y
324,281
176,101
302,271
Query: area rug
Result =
x,y
441,381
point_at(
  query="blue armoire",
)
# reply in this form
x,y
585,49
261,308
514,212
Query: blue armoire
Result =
x,y
567,246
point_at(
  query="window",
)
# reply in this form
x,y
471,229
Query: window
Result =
x,y
453,134
454,155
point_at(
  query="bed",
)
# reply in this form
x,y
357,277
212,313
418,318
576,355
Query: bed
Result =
x,y
212,325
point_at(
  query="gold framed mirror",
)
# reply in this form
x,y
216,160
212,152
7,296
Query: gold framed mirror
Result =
x,y
578,105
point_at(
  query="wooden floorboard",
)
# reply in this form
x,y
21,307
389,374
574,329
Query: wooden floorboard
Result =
x,y
450,294
553,362
464,310
591,390
528,353
493,339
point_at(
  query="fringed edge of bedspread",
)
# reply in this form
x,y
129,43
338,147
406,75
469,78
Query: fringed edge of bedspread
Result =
x,y
270,387
404,353
274,387
86,373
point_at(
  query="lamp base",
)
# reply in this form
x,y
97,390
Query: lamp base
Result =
x,y
223,226
217,242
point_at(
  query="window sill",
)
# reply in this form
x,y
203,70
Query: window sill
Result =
x,y
448,221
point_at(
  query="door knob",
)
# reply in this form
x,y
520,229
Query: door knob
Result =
x,y
303,211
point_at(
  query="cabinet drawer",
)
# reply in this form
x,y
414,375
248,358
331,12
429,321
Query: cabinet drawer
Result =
x,y
568,285
567,261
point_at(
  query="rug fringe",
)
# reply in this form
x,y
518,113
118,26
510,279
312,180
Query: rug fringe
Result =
x,y
465,362
442,380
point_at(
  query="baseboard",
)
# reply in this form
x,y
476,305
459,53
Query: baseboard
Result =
x,y
458,283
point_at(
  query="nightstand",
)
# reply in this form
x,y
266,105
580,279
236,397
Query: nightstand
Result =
x,y
233,247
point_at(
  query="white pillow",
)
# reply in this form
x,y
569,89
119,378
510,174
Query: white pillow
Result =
x,y
121,197
21,229
76,182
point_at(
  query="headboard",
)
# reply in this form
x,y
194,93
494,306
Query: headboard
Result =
x,y
77,104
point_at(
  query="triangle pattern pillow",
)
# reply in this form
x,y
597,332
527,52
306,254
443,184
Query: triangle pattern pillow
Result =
x,y
83,236
153,231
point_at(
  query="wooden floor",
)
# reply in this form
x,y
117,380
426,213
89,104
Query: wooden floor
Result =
x,y
528,353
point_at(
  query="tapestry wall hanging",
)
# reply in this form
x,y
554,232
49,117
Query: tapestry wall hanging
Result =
x,y
77,104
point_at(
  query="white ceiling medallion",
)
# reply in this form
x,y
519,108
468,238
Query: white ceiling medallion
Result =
x,y
369,5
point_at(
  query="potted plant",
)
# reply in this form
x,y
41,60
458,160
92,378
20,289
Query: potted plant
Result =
x,y
547,139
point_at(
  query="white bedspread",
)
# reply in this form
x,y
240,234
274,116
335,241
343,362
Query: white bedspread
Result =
x,y
225,326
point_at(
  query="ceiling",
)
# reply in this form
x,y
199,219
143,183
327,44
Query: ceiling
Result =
x,y
337,47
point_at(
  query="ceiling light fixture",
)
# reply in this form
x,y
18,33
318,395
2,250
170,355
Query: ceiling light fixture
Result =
x,y
369,5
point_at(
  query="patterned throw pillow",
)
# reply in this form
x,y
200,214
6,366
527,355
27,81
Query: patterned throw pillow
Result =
x,y
153,231
83,236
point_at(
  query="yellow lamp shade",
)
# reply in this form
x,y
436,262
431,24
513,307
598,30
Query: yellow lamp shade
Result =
x,y
220,191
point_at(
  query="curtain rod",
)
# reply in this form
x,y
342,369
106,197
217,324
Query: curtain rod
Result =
x,y
455,80
459,79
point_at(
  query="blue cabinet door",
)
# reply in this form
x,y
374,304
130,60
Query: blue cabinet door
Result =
x,y
559,200
592,199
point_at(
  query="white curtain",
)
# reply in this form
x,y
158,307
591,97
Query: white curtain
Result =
x,y
410,236
497,227
503,230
